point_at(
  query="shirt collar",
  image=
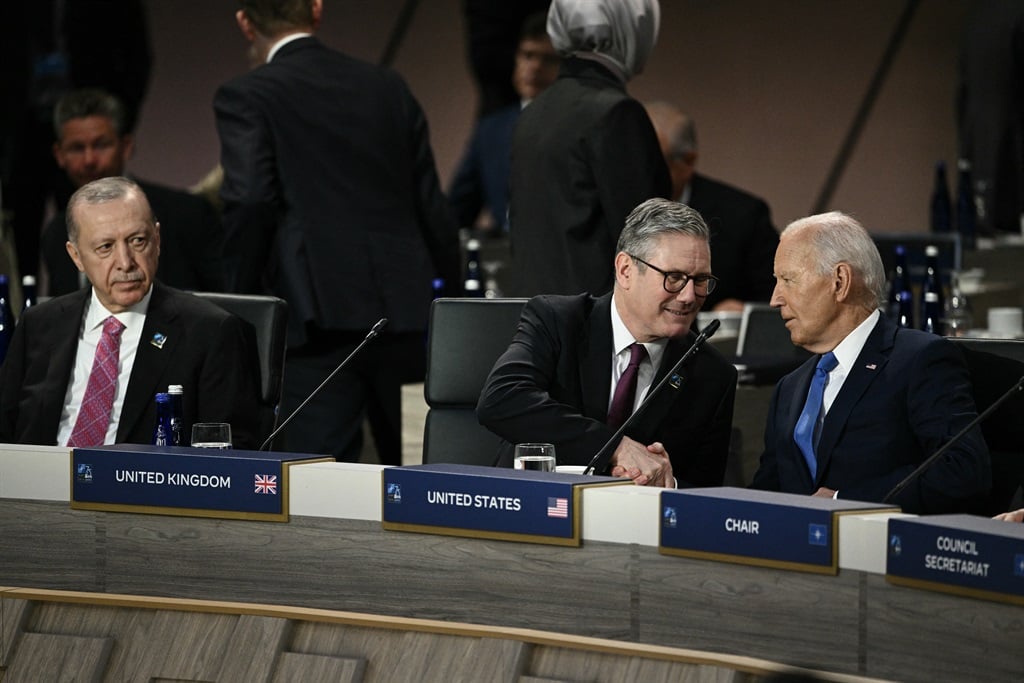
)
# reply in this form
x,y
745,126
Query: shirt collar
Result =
x,y
621,339
284,41
848,349
97,312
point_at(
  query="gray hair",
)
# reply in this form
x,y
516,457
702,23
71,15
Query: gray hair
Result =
x,y
838,238
86,102
99,192
654,218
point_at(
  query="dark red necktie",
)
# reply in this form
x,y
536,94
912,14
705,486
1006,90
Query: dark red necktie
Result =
x,y
625,390
94,415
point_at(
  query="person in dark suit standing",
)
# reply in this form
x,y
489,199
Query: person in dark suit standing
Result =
x,y
162,336
743,239
892,397
481,180
92,143
332,202
584,152
560,379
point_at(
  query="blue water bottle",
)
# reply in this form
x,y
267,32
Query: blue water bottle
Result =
x,y
162,433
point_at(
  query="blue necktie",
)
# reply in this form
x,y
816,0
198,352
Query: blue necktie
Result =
x,y
806,430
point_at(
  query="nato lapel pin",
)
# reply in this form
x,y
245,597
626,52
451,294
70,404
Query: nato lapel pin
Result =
x,y
675,381
158,340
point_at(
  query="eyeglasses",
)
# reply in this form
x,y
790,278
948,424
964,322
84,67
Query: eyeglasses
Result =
x,y
675,281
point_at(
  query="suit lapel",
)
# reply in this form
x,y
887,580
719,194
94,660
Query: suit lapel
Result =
x,y
660,404
63,346
595,359
869,364
151,359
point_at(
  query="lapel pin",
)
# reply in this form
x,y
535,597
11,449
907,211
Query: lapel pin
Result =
x,y
676,381
871,366
158,340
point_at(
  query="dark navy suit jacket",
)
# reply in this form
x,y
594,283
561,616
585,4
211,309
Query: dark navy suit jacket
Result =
x,y
203,349
482,177
553,383
908,393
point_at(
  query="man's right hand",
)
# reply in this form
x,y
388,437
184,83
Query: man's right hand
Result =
x,y
645,465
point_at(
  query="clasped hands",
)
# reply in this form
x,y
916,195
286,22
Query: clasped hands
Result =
x,y
645,465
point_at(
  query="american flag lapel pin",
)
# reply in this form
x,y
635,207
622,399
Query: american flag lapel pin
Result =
x,y
158,340
871,366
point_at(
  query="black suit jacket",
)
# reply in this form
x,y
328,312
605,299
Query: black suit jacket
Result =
x,y
191,243
331,196
584,155
908,393
204,351
743,240
552,385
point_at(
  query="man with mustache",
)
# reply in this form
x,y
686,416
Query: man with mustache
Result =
x,y
559,381
83,368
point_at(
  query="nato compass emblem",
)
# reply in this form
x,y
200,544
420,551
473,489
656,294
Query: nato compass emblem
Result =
x,y
670,518
158,340
895,545
394,493
83,473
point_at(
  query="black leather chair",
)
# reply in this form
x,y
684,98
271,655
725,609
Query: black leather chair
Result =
x,y
995,366
266,329
466,337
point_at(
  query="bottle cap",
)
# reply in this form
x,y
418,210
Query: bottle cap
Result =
x,y
931,250
28,281
175,389
930,297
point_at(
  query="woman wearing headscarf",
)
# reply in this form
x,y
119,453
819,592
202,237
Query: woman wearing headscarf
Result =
x,y
584,153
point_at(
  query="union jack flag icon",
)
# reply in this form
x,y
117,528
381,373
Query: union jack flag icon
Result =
x,y
266,483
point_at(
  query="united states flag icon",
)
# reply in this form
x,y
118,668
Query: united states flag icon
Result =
x,y
558,507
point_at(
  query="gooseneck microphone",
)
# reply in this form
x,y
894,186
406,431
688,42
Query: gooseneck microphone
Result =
x,y
603,456
924,466
370,335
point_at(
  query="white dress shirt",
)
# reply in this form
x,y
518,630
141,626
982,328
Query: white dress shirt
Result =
x,y
88,338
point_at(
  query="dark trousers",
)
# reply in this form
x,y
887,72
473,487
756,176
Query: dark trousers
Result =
x,y
369,387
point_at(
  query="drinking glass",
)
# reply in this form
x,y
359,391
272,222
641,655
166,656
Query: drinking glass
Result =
x,y
535,456
211,435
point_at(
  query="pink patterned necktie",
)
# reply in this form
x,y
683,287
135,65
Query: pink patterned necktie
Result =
x,y
625,390
94,415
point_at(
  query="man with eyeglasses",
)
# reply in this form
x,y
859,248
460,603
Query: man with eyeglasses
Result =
x,y
560,378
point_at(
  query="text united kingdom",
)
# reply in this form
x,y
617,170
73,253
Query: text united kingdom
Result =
x,y
186,479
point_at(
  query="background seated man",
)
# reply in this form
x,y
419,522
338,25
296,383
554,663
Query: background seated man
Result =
x,y
743,238
82,369
92,143
560,377
887,398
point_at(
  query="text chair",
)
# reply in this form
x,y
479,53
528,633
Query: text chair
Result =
x,y
466,337
995,365
266,319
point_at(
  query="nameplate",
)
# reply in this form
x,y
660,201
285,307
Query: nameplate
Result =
x,y
487,502
764,528
171,480
959,554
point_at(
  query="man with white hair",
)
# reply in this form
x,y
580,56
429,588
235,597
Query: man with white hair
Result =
x,y
877,399
83,368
